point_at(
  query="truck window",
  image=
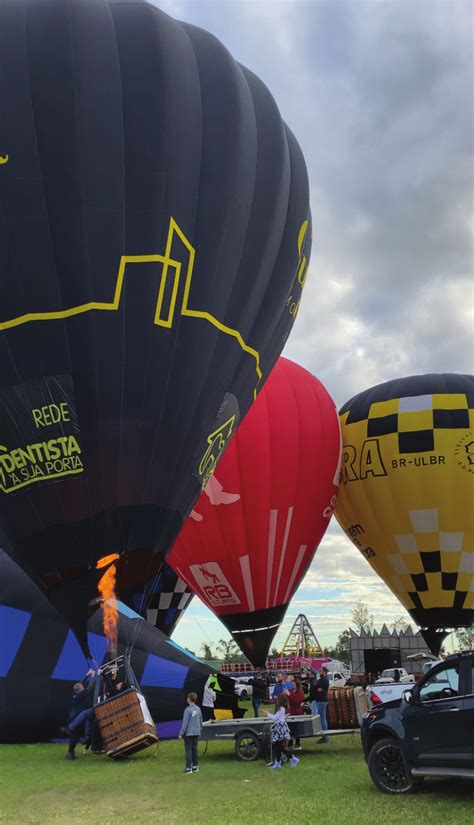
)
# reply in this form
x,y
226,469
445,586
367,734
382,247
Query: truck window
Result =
x,y
442,685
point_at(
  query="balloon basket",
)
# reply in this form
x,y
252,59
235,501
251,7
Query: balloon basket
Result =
x,y
125,724
346,707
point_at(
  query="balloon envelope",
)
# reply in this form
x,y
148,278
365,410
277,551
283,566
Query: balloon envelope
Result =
x,y
407,490
154,243
251,537
152,588
40,659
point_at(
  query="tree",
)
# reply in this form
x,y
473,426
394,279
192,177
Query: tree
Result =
x,y
342,650
229,649
400,624
464,637
207,653
361,616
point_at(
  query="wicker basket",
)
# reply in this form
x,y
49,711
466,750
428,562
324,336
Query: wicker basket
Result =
x,y
346,707
125,724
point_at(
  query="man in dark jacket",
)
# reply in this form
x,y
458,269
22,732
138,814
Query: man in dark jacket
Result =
x,y
258,693
81,713
312,693
320,692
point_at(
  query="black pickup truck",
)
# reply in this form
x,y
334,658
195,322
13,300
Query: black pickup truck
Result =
x,y
428,732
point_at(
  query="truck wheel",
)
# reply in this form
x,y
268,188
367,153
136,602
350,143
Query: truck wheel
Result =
x,y
247,746
387,768
243,695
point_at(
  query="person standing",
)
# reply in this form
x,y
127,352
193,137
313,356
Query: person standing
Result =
x,y
321,692
279,687
289,682
258,691
295,699
191,729
281,733
208,698
81,713
312,696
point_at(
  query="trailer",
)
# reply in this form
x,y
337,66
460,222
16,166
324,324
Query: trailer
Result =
x,y
252,737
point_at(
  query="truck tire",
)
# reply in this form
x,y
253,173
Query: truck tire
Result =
x,y
387,768
247,746
244,695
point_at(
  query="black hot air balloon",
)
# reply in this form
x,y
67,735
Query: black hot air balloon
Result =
x,y
167,600
154,243
152,588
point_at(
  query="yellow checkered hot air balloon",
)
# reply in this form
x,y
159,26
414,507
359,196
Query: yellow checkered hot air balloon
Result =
x,y
407,494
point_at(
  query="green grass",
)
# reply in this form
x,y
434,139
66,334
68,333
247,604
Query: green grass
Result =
x,y
39,787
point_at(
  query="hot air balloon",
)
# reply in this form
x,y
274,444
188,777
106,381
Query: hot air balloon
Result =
x,y
407,491
154,244
252,535
40,658
152,588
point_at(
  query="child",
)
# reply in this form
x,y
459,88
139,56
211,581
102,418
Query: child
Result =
x,y
281,732
191,731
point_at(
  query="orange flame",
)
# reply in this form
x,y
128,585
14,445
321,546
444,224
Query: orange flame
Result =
x,y
106,587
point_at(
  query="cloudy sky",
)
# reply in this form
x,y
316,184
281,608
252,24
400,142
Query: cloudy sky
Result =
x,y
379,95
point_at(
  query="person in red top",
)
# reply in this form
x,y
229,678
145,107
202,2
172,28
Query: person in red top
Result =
x,y
295,698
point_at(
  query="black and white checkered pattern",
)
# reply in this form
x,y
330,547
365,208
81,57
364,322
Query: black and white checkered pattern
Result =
x,y
170,598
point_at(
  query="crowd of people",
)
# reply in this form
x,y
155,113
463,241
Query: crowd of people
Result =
x,y
287,692
289,697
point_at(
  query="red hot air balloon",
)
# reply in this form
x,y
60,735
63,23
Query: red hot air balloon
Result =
x,y
249,541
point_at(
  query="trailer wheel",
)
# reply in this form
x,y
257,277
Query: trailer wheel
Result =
x,y
247,746
266,742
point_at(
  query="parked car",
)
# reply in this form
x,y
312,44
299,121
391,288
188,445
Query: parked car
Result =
x,y
243,690
394,674
340,667
427,732
379,693
386,689
337,679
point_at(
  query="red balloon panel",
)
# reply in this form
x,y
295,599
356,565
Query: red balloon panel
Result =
x,y
249,540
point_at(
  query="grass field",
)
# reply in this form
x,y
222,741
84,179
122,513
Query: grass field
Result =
x,y
39,787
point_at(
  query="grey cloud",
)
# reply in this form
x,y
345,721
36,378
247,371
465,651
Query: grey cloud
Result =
x,y
390,167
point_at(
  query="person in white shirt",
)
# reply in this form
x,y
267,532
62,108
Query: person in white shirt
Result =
x,y
208,699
